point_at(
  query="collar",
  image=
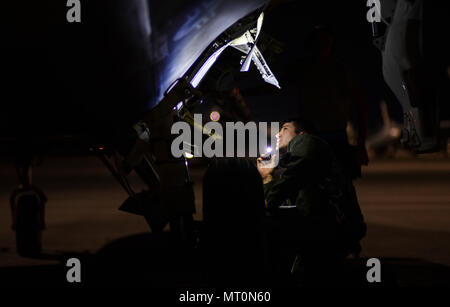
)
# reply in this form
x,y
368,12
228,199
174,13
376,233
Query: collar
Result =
x,y
297,139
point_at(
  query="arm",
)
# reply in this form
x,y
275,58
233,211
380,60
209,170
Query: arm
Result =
x,y
300,171
296,176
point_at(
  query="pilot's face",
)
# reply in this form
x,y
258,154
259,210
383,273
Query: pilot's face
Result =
x,y
286,134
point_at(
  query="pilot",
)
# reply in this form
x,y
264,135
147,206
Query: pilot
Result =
x,y
309,202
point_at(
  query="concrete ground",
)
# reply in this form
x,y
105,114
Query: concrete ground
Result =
x,y
406,203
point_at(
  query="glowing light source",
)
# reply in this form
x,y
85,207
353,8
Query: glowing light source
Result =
x,y
188,155
214,116
178,106
269,149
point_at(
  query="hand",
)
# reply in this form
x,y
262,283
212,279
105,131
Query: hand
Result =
x,y
265,167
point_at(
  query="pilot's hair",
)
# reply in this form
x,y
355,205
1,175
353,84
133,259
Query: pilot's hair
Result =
x,y
301,125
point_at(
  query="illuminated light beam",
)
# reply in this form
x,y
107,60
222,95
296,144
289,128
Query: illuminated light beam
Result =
x,y
206,66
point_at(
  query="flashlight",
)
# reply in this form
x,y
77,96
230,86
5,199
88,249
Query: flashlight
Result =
x,y
268,154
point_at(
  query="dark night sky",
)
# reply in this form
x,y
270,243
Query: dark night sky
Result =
x,y
96,73
291,22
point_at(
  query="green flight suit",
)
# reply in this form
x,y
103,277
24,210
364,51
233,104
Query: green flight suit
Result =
x,y
311,168
309,230
325,224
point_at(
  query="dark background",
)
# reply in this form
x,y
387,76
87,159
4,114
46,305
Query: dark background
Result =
x,y
405,199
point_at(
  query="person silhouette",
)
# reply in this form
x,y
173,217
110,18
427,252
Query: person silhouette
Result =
x,y
233,213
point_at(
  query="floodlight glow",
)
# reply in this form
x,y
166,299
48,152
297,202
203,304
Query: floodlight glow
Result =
x,y
214,116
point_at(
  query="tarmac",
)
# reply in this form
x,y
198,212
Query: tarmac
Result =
x,y
406,204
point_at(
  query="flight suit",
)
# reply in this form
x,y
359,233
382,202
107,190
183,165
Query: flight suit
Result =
x,y
311,180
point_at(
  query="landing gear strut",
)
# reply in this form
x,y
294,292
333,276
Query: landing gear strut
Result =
x,y
27,207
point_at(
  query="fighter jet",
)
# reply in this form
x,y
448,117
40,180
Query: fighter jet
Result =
x,y
111,84
416,86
